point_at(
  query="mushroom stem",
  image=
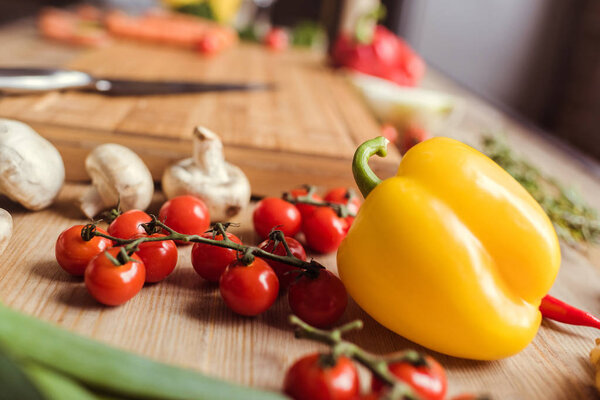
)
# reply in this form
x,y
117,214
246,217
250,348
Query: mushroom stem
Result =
x,y
6,229
208,154
91,202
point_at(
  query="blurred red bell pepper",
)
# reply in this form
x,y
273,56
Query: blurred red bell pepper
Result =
x,y
387,57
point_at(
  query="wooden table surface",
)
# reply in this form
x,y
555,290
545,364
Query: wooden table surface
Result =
x,y
183,321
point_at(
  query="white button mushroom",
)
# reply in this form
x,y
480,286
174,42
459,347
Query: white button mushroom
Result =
x,y
31,169
119,176
222,186
6,228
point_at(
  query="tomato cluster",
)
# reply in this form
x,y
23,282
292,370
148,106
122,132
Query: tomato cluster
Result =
x,y
321,377
114,273
320,223
110,274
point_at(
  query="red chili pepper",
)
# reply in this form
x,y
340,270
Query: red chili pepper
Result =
x,y
558,310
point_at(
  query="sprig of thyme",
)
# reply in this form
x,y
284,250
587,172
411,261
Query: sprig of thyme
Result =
x,y
573,219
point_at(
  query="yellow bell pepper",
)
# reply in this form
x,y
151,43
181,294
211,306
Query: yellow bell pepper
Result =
x,y
451,253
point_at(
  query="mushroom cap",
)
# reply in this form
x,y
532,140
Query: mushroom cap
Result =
x,y
31,169
6,229
224,199
119,176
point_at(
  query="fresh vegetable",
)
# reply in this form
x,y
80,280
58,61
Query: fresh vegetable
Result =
x,y
31,169
129,224
385,56
168,28
249,288
107,369
435,265
321,377
277,39
324,230
300,193
348,197
378,365
14,382
119,177
285,273
272,212
80,27
73,253
574,220
554,309
222,186
159,258
427,381
185,214
210,261
319,298
113,277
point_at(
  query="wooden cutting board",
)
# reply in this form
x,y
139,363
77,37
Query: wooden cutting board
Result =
x,y
307,128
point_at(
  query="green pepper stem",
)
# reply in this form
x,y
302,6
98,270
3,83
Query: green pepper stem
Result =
x,y
363,174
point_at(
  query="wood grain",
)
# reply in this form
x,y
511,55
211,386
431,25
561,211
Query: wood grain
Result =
x,y
183,321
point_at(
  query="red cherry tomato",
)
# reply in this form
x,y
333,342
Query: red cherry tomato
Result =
x,y
273,212
305,209
185,214
412,135
340,195
389,132
319,301
74,254
210,261
112,284
282,270
159,258
277,39
129,224
309,379
249,289
324,230
428,382
209,44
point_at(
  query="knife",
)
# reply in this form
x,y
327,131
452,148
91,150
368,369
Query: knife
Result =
x,y
30,80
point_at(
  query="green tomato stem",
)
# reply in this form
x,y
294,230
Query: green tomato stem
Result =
x,y
340,209
363,174
378,365
131,245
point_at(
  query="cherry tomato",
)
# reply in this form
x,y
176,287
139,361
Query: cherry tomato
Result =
x,y
159,258
277,39
185,214
324,230
74,254
273,212
210,261
209,44
428,382
412,135
112,284
319,301
283,270
249,289
310,379
389,132
305,209
340,195
129,224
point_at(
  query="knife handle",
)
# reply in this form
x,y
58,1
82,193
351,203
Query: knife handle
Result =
x,y
28,80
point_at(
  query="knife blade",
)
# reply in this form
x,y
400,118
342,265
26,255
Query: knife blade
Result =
x,y
29,80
